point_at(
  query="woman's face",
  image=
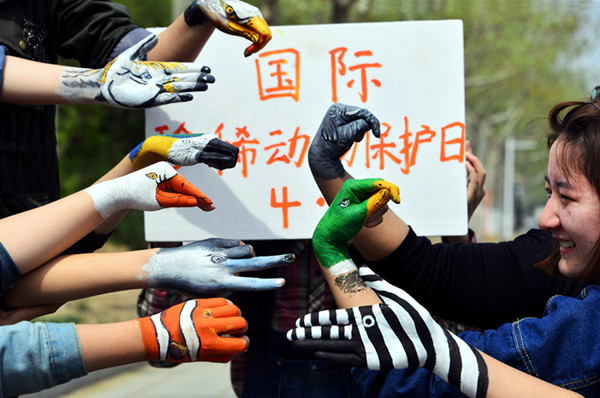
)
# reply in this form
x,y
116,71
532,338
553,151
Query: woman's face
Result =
x,y
572,214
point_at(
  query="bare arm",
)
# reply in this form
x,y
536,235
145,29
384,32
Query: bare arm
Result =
x,y
197,269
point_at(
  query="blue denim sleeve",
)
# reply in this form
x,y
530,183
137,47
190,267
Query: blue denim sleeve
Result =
x,y
3,51
562,347
131,38
9,273
36,356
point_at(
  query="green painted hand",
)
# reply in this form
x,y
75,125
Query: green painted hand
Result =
x,y
354,203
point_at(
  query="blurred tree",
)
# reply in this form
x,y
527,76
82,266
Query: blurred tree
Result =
x,y
517,65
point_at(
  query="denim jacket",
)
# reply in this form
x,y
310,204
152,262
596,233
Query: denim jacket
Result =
x,y
562,347
36,356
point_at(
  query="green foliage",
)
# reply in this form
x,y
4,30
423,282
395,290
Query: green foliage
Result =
x,y
518,63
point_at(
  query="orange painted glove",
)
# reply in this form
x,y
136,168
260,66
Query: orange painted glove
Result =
x,y
195,330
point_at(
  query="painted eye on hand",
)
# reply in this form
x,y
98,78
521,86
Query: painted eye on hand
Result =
x,y
345,203
217,259
147,75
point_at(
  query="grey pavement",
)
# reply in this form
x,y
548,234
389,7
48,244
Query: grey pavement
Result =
x,y
200,379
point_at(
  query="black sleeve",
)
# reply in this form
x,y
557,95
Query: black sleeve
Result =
x,y
479,284
89,30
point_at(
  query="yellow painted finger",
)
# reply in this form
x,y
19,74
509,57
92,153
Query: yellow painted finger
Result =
x,y
394,191
378,200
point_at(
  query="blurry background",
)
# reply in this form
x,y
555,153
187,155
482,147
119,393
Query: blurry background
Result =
x,y
521,57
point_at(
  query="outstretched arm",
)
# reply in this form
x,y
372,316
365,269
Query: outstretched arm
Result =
x,y
197,330
30,242
198,269
125,82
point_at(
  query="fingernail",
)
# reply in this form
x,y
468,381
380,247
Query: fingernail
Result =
x,y
280,282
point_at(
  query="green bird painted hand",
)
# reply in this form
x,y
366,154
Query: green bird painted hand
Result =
x,y
354,203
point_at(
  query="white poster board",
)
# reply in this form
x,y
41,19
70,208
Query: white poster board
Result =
x,y
409,74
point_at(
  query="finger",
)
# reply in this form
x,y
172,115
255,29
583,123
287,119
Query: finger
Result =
x,y
213,302
369,118
219,154
393,189
239,251
169,98
182,186
232,345
223,243
231,325
184,87
376,218
344,359
224,311
259,263
143,47
326,317
321,332
339,346
244,283
378,200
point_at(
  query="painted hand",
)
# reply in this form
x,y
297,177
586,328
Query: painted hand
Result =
x,y
129,82
356,200
193,331
152,188
185,150
395,335
209,266
234,17
341,127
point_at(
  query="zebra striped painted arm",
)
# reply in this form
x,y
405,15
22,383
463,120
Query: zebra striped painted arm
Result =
x,y
397,334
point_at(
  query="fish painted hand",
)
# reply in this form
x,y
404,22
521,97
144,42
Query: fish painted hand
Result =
x,y
341,127
185,150
354,203
233,17
153,188
131,83
195,330
210,266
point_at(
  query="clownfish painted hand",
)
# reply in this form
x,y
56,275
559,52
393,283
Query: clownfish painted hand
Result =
x,y
195,330
153,188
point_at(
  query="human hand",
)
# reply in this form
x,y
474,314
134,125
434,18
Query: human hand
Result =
x,y
185,150
209,266
129,82
152,188
195,330
477,174
233,17
395,335
341,127
350,209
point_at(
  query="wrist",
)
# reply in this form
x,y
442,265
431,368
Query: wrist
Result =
x,y
193,15
328,254
323,167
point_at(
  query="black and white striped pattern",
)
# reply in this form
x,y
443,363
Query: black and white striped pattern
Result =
x,y
398,334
